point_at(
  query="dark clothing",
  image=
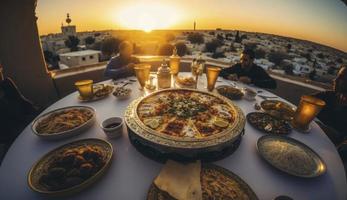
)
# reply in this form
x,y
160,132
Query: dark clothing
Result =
x,y
258,75
333,114
16,111
117,67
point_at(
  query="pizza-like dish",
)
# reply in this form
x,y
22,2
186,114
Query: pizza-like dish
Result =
x,y
186,113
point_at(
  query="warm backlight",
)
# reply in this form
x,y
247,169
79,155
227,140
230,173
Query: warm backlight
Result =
x,y
147,17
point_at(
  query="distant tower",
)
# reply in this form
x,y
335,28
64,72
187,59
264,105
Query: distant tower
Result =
x,y
68,20
69,29
194,25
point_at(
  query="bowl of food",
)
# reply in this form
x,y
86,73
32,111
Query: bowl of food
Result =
x,y
63,122
71,167
230,92
122,93
185,82
278,109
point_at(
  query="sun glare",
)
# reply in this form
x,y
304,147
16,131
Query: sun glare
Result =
x,y
148,17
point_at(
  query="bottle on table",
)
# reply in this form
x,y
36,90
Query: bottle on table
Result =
x,y
164,76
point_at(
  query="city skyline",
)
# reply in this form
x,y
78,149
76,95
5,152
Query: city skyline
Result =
x,y
313,20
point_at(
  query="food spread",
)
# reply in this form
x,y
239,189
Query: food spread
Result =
x,y
63,120
185,113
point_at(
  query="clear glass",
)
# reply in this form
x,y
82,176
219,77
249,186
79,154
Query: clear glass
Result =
x,y
142,72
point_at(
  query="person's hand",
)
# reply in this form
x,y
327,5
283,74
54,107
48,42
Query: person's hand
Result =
x,y
232,77
245,79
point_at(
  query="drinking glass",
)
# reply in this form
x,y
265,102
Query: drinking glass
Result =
x,y
142,72
85,88
212,76
307,110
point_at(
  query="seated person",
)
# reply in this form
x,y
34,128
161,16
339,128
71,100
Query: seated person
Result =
x,y
122,66
249,73
334,114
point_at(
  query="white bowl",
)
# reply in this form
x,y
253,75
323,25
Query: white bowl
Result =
x,y
113,132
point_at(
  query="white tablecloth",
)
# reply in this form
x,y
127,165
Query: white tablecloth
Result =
x,y
131,174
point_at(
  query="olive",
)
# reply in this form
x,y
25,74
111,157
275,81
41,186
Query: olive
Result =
x,y
86,169
79,160
56,172
72,181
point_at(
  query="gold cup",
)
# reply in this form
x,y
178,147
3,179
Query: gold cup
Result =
x,y
212,76
308,109
142,72
85,88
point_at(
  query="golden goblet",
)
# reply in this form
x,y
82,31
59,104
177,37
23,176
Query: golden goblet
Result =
x,y
142,72
212,76
307,110
85,88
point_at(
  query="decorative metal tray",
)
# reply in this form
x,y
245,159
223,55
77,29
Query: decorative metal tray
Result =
x,y
39,168
290,156
241,190
187,147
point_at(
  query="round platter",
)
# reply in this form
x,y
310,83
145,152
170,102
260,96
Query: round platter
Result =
x,y
290,156
67,120
220,177
187,147
41,167
268,124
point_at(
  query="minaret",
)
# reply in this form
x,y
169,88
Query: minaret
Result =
x,y
68,20
69,29
194,25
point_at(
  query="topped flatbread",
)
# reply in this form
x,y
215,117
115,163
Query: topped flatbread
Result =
x,y
186,113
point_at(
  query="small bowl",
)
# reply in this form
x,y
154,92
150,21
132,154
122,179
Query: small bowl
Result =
x,y
249,94
113,127
125,95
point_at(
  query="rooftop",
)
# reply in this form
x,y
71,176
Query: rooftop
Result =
x,y
80,53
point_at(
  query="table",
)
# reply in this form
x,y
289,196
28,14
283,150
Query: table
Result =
x,y
131,174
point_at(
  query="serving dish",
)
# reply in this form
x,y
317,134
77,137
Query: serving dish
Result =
x,y
185,82
230,92
278,109
71,167
63,122
268,124
290,156
190,130
216,183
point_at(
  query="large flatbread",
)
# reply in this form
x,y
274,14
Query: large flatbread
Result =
x,y
181,181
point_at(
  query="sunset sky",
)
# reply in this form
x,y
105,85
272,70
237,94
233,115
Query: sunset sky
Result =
x,y
321,21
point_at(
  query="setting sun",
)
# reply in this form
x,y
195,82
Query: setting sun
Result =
x,y
148,17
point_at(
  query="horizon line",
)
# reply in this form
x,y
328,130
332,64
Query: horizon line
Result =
x,y
191,30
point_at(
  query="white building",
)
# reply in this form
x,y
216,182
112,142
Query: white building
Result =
x,y
80,58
